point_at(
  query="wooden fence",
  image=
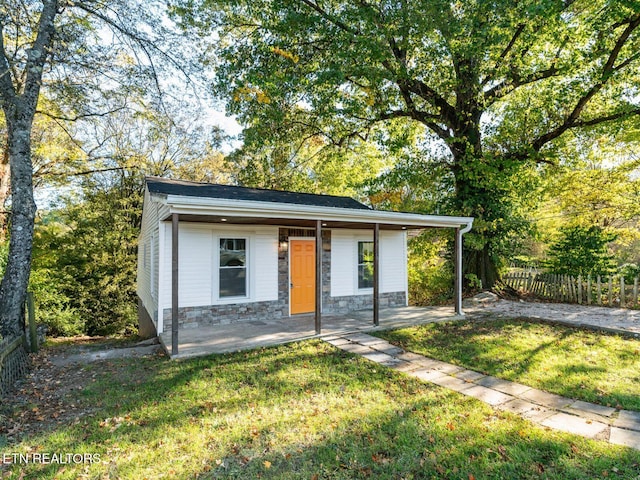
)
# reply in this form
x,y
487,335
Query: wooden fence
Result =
x,y
14,361
610,291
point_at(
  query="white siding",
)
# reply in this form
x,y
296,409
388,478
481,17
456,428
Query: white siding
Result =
x,y
147,274
194,272
265,265
344,261
393,265
198,257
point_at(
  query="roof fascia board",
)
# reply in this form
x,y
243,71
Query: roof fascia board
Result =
x,y
222,207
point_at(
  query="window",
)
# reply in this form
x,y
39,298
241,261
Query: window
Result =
x,y
365,264
233,267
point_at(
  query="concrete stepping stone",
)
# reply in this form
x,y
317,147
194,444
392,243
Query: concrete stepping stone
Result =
x,y
573,424
427,374
503,386
453,383
388,349
410,357
546,399
406,367
469,375
596,409
628,438
487,395
364,339
628,420
378,357
336,342
528,410
355,348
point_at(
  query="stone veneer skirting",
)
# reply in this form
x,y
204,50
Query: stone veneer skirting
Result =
x,y
342,305
194,317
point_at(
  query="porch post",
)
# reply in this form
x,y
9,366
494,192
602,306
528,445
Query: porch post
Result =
x,y
174,283
318,276
376,274
458,272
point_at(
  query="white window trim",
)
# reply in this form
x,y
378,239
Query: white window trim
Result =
x,y
356,288
215,283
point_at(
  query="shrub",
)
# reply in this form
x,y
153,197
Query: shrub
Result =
x,y
430,276
582,251
629,271
53,307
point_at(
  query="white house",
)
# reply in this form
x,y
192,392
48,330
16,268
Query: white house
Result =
x,y
251,254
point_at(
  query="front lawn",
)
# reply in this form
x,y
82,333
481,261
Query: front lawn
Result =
x,y
304,410
582,364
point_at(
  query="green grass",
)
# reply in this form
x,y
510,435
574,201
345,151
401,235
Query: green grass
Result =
x,y
583,364
304,410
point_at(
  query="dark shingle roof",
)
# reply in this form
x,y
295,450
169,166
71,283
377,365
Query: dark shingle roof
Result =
x,y
211,190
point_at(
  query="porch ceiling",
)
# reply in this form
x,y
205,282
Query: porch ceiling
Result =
x,y
287,222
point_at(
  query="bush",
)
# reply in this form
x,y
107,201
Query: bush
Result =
x,y
53,307
629,271
430,277
582,251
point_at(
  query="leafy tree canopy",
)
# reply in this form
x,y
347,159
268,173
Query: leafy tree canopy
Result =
x,y
493,84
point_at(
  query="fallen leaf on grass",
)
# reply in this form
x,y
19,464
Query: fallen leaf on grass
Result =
x,y
503,452
267,464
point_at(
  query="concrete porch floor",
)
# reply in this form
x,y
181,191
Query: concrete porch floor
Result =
x,y
193,342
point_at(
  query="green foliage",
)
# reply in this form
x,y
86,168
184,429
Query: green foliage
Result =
x,y
473,282
85,252
430,277
596,182
53,306
630,271
582,251
4,252
492,86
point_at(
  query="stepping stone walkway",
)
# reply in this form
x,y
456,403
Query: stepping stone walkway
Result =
x,y
589,420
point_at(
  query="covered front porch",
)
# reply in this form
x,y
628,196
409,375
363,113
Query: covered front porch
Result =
x,y
255,334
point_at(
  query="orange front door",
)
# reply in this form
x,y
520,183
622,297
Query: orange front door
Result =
x,y
302,276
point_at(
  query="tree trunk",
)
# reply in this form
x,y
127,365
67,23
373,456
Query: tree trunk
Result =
x,y
19,110
481,264
474,195
5,173
23,209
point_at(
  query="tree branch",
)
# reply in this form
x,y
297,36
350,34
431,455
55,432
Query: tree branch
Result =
x,y
609,68
81,116
341,25
7,91
514,38
507,86
143,42
38,53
